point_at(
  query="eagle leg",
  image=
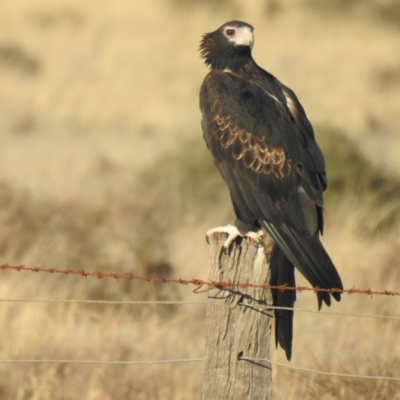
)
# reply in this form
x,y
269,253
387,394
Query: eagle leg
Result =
x,y
233,232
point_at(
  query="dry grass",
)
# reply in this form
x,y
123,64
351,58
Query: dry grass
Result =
x,y
102,167
357,187
330,388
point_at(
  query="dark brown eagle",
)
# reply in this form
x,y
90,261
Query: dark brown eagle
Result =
x,y
264,147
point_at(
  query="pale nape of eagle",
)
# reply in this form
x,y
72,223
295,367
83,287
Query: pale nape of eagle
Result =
x,y
264,148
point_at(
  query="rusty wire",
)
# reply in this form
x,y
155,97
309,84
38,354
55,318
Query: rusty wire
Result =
x,y
199,283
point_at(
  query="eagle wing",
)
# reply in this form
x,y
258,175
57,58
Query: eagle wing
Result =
x,y
273,167
262,155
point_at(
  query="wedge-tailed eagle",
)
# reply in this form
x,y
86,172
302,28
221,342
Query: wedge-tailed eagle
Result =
x,y
264,147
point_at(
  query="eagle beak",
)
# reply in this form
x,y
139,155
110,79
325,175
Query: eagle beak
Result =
x,y
245,37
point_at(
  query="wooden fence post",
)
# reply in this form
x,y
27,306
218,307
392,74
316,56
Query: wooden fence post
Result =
x,y
236,327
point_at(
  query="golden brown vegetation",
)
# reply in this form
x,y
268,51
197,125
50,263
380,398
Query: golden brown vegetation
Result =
x,y
102,167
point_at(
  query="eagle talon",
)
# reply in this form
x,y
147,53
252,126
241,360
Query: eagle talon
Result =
x,y
256,237
230,230
233,233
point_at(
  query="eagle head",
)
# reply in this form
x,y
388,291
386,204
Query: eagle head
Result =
x,y
229,47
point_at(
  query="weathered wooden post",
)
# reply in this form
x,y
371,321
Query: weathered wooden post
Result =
x,y
235,327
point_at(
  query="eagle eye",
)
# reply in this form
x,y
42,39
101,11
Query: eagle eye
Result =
x,y
230,32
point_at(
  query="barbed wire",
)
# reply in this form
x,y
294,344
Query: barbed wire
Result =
x,y
199,283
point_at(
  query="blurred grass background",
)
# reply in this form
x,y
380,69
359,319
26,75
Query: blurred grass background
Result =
x,y
103,167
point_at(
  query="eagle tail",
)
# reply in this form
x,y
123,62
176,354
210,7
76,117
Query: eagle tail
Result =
x,y
309,256
282,273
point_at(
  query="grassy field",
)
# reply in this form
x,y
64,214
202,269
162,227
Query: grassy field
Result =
x,y
102,167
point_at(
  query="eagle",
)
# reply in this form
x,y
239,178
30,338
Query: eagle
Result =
x,y
264,147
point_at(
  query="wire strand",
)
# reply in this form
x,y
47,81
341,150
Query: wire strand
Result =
x,y
156,302
101,361
316,371
133,302
155,362
324,312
